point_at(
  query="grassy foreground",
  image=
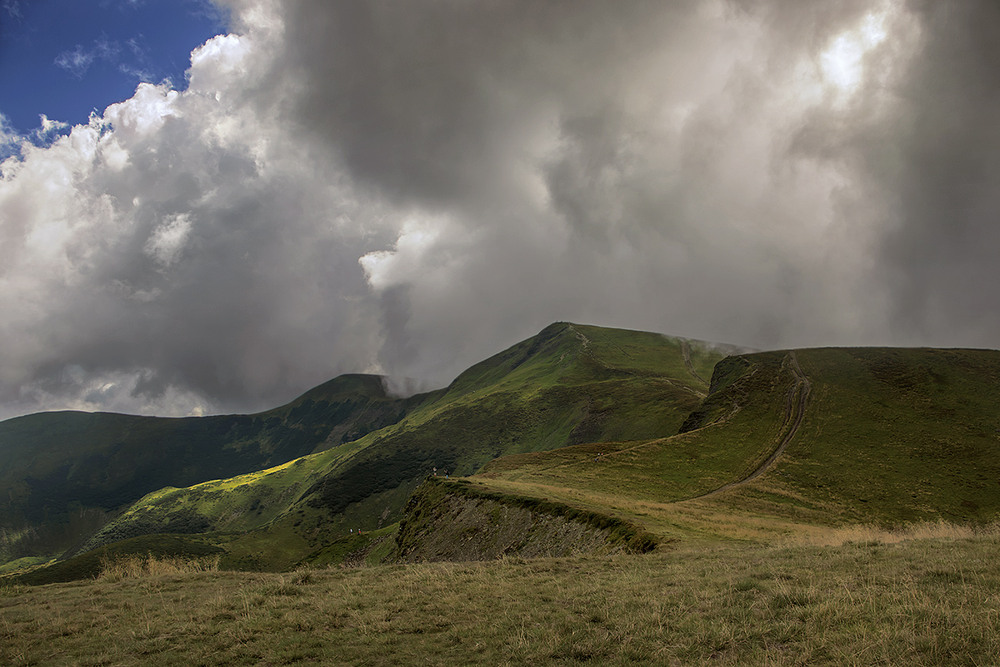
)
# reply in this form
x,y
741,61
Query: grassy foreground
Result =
x,y
924,601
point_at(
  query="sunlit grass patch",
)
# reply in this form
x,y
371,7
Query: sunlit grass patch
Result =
x,y
869,534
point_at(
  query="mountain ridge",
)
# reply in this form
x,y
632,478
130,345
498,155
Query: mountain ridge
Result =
x,y
542,393
79,468
666,434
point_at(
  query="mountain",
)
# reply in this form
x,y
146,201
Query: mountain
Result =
x,y
568,384
64,474
578,438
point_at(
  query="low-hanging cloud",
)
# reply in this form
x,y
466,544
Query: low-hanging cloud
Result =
x,y
408,187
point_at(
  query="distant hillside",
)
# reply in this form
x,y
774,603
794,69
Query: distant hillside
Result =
x,y
569,384
63,474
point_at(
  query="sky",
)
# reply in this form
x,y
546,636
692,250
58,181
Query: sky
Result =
x,y
65,58
227,204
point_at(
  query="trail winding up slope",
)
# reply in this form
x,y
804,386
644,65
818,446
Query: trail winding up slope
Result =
x,y
795,411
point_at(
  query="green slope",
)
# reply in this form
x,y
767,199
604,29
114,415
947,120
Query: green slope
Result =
x,y
897,435
62,474
569,384
788,441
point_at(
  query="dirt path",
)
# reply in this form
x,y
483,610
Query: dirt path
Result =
x,y
686,352
581,336
795,412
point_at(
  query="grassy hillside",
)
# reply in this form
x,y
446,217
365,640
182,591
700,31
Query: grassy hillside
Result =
x,y
62,474
883,436
826,506
621,424
569,384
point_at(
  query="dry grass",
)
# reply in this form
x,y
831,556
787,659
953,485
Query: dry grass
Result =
x,y
142,567
867,534
914,602
696,519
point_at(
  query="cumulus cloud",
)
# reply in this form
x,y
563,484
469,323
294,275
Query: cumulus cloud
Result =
x,y
408,187
634,163
183,251
168,239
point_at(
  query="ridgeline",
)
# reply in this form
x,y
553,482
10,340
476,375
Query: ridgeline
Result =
x,y
579,439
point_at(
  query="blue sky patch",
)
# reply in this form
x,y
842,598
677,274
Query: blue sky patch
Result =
x,y
67,58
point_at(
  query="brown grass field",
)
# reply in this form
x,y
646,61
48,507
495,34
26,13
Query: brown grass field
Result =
x,y
929,595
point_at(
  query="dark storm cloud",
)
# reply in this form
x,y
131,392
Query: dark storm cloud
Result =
x,y
636,148
940,257
424,99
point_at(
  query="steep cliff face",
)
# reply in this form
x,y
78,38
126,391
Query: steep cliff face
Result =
x,y
455,522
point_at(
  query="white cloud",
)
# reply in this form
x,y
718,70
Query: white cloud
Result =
x,y
213,187
76,61
48,130
168,239
10,139
417,238
144,113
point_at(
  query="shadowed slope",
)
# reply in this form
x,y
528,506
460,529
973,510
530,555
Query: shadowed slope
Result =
x,y
63,473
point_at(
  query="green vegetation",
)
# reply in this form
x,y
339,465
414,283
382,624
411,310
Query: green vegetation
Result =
x,y
64,474
593,429
917,602
887,436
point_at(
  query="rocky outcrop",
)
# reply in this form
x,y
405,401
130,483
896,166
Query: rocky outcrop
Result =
x,y
453,521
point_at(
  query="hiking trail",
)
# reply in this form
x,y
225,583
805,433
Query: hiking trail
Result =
x,y
795,412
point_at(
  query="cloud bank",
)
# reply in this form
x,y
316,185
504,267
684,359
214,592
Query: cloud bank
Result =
x,y
408,187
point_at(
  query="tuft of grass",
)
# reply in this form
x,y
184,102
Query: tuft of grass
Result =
x,y
164,548
140,567
873,534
